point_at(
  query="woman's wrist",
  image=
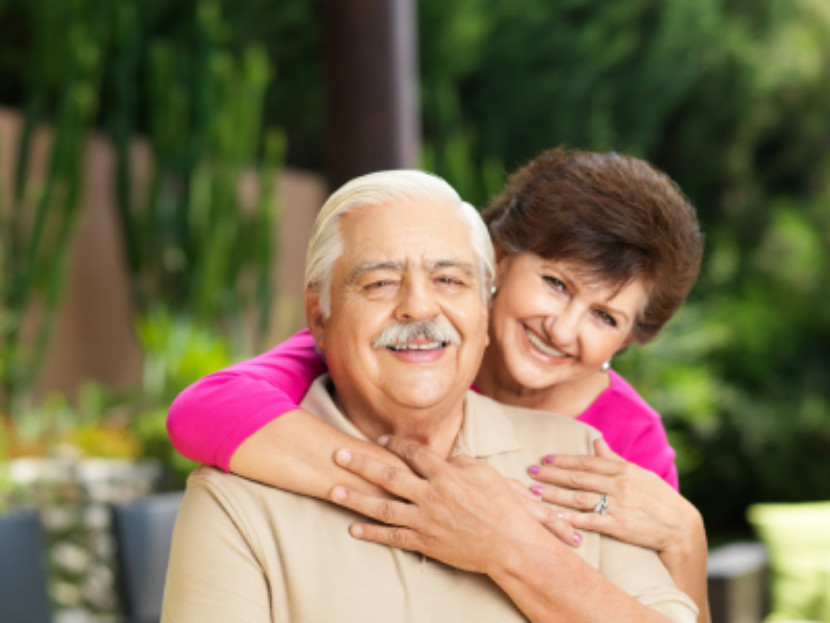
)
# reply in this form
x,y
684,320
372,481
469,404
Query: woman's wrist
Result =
x,y
690,539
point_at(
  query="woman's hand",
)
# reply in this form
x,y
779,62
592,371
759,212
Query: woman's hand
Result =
x,y
641,509
459,511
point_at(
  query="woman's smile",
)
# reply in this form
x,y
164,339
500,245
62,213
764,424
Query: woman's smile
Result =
x,y
539,345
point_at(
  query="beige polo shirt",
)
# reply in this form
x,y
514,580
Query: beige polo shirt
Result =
x,y
243,551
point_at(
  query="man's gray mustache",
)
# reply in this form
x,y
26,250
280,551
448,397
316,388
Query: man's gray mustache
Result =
x,y
439,330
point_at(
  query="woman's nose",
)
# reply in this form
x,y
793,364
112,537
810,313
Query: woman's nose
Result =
x,y
563,327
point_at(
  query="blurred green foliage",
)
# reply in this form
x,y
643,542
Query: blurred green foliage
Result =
x,y
193,245
199,244
731,98
36,224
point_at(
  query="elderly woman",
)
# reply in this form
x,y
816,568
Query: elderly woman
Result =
x,y
595,252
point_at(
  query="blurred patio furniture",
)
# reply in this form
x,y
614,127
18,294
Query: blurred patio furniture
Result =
x,y
24,593
143,530
738,580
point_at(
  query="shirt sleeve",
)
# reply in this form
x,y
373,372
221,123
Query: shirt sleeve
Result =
x,y
210,419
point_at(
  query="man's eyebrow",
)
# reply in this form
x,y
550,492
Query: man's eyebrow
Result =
x,y
430,265
468,268
362,269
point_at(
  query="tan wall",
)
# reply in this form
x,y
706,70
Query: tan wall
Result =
x,y
93,336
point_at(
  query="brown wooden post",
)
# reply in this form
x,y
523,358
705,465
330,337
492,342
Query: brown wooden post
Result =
x,y
373,119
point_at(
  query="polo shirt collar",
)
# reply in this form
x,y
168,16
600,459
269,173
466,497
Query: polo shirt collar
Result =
x,y
486,431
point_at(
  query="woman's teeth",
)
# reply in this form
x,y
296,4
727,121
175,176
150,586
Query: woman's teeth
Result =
x,y
543,348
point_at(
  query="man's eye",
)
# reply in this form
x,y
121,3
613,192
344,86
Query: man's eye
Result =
x,y
376,285
450,281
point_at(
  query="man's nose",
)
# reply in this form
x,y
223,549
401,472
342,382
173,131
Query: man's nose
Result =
x,y
417,301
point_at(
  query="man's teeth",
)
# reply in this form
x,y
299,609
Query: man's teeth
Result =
x,y
424,346
543,348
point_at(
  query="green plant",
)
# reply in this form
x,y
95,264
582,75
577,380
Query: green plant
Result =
x,y
35,229
194,246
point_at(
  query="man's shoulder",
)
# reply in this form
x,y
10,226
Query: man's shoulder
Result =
x,y
217,481
252,505
228,488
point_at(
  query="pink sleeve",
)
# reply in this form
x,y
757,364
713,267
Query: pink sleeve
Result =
x,y
650,449
210,419
632,428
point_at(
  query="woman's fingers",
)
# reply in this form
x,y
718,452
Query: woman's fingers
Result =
x,y
572,478
586,473
570,498
554,521
521,489
591,521
604,451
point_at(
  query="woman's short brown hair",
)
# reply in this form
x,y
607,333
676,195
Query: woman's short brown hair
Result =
x,y
616,217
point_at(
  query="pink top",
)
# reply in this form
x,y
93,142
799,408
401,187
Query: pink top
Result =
x,y
210,419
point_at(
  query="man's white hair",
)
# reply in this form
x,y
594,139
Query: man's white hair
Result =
x,y
383,188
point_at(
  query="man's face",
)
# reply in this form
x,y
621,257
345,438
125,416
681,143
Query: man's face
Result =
x,y
402,265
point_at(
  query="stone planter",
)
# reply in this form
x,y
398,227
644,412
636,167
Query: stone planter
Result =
x,y
73,496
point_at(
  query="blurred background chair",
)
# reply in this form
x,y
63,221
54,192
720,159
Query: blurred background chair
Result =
x,y
738,582
143,530
24,595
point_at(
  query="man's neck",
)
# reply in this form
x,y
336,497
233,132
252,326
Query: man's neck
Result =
x,y
437,428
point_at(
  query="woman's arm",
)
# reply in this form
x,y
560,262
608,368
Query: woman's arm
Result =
x,y
294,452
642,509
210,419
246,419
463,513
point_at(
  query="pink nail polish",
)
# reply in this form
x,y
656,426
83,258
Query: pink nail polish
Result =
x,y
534,469
577,538
536,490
548,458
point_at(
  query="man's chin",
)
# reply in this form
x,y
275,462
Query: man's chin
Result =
x,y
420,394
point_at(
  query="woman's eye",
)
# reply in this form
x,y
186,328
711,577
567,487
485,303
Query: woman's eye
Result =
x,y
553,282
606,318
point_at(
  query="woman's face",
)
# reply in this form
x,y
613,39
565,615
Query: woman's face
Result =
x,y
551,325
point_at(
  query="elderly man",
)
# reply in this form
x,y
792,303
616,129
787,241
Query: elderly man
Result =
x,y
397,280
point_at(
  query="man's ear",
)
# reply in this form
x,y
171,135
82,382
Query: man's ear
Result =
x,y
314,317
